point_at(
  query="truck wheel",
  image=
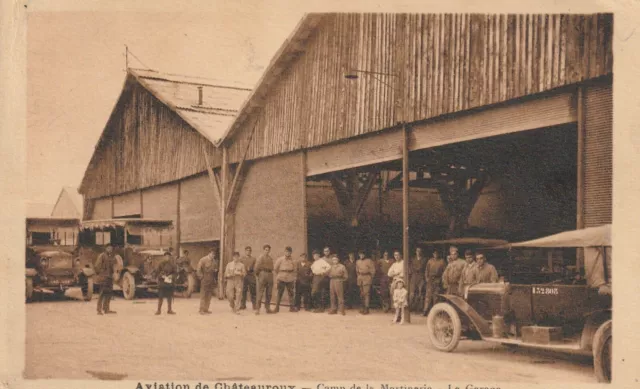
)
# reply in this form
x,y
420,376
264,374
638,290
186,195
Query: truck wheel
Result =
x,y
128,286
191,285
602,352
89,294
29,288
444,327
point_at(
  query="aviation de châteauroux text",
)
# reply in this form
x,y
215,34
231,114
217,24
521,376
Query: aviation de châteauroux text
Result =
x,y
225,385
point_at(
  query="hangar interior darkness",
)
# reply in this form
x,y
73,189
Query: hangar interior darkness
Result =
x,y
528,190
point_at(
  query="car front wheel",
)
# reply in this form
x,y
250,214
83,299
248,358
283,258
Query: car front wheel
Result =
x,y
602,352
444,327
29,288
128,286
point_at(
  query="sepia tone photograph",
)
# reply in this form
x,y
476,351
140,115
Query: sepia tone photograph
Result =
x,y
354,196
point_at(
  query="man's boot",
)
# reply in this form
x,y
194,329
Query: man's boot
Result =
x,y
159,311
342,312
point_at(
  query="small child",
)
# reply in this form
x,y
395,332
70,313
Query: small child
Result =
x,y
399,301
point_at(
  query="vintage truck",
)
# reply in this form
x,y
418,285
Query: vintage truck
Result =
x,y
565,313
139,245
50,267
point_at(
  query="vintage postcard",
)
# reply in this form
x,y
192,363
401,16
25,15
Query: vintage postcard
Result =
x,y
262,195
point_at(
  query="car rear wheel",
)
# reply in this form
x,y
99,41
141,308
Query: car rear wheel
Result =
x,y
29,288
89,293
128,286
444,327
602,352
191,285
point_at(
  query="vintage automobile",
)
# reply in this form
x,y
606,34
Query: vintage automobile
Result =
x,y
139,245
565,314
50,265
184,282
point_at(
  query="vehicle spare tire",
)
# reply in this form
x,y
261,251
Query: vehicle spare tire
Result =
x,y
444,327
602,348
128,286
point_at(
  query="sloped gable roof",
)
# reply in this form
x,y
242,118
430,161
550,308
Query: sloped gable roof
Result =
x,y
292,48
73,195
219,107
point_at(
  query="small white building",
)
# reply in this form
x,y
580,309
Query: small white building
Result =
x,y
69,204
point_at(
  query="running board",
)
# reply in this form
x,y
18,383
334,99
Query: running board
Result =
x,y
568,347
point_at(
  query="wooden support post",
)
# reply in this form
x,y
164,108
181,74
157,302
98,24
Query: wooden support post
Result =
x,y
405,212
176,245
223,215
580,173
580,161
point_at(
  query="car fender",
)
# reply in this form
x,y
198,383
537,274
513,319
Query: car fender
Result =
x,y
88,272
130,269
469,313
593,321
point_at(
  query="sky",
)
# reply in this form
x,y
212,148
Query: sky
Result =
x,y
76,69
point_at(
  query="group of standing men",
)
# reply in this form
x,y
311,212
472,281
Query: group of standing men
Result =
x,y
313,284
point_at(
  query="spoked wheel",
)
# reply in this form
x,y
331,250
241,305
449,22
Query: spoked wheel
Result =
x,y
444,327
602,352
128,286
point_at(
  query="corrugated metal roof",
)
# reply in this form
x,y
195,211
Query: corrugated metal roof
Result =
x,y
220,103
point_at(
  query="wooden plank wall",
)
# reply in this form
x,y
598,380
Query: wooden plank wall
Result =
x,y
444,63
144,144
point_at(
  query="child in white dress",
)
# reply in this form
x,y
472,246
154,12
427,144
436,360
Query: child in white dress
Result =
x,y
399,301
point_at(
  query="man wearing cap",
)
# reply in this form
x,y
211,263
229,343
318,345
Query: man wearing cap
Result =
x,y
286,272
418,266
264,276
105,267
451,276
468,276
207,271
351,286
250,280
234,274
384,264
365,270
485,272
167,274
303,283
320,269
337,275
433,276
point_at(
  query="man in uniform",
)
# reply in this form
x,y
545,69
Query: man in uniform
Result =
x,y
105,267
396,271
384,264
167,274
351,290
286,272
451,276
468,276
418,266
234,274
303,283
250,280
337,275
264,277
320,269
485,272
365,271
207,271
433,276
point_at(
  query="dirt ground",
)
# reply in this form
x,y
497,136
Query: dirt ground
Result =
x,y
67,340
